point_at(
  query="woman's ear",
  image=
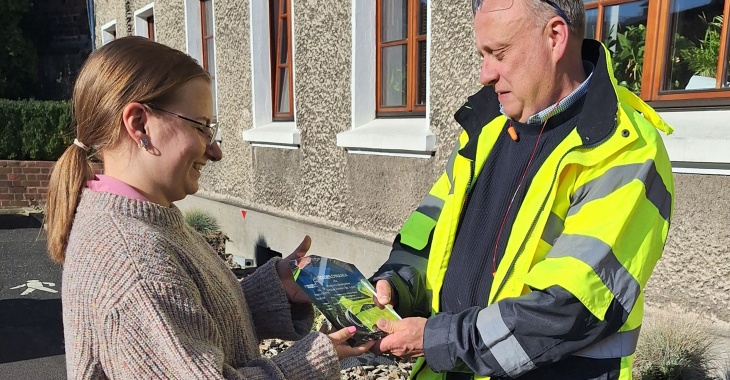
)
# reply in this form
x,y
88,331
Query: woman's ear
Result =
x,y
134,116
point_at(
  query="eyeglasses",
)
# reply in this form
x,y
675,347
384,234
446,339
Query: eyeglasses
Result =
x,y
212,128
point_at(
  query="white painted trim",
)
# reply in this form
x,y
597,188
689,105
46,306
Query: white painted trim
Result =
x,y
265,131
276,134
106,29
370,135
140,20
700,142
193,31
397,137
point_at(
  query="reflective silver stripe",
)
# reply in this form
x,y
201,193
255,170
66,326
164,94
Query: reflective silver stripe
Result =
x,y
553,228
450,167
599,256
617,177
618,345
503,345
431,207
400,256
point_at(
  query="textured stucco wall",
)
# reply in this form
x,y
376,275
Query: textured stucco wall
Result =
x,y
366,195
695,269
321,181
106,11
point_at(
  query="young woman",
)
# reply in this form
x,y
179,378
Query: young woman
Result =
x,y
144,296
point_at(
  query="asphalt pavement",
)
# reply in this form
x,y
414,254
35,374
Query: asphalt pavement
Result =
x,y
31,328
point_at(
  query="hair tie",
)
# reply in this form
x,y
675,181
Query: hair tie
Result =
x,y
81,145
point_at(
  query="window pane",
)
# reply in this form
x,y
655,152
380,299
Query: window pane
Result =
x,y
283,46
394,20
694,46
284,4
208,17
283,86
421,85
422,15
591,22
624,33
393,84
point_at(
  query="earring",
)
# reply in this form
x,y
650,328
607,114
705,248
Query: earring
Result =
x,y
144,143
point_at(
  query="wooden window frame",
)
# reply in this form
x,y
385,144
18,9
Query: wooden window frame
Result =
x,y
276,66
658,38
204,37
150,27
412,76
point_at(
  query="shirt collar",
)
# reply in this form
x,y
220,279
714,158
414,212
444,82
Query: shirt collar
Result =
x,y
568,101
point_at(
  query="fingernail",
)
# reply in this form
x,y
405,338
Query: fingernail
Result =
x,y
351,329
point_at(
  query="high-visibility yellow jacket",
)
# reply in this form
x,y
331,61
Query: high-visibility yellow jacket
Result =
x,y
593,221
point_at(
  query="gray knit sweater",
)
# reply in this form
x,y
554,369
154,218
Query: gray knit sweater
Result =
x,y
144,297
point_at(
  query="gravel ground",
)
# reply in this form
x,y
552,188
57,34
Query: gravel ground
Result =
x,y
368,366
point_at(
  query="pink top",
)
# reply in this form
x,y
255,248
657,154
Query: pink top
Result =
x,y
105,184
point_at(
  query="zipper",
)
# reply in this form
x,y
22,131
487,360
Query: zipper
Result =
x,y
542,207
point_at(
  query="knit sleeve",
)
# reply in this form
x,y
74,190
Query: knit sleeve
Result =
x,y
273,315
162,330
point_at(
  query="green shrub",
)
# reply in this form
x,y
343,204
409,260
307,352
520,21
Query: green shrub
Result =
x,y
34,130
207,225
201,221
675,347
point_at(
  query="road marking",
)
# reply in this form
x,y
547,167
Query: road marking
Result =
x,y
33,285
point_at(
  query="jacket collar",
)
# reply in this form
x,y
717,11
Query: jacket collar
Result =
x,y
596,122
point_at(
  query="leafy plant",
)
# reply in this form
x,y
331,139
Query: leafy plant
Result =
x,y
34,130
628,55
702,57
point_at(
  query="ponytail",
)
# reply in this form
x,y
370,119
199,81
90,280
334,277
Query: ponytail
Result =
x,y
68,177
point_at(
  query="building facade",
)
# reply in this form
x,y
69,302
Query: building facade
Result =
x,y
336,117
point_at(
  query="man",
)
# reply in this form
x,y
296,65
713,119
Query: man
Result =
x,y
530,254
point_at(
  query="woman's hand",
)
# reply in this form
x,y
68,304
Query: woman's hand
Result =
x,y
293,292
343,349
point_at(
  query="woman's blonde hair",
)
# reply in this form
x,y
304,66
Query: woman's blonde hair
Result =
x,y
126,70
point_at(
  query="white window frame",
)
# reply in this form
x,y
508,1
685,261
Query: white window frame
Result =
x,y
266,132
140,20
194,43
106,32
406,137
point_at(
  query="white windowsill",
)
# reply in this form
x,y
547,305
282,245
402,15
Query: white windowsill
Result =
x,y
276,135
392,137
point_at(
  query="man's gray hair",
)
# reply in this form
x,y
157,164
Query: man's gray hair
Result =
x,y
574,10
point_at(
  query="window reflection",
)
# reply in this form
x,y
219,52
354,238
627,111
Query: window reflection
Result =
x,y
624,33
591,22
694,45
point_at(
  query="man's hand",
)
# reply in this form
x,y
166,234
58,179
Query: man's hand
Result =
x,y
293,292
384,294
405,337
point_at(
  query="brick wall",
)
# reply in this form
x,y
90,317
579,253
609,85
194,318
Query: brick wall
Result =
x,y
24,183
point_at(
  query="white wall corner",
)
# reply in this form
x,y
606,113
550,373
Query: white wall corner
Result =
x,y
265,131
108,32
140,20
193,26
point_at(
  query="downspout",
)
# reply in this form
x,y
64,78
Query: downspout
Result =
x,y
92,21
